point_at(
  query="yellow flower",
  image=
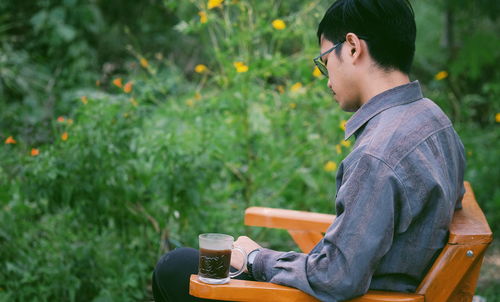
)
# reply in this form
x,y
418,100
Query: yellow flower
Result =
x,y
128,87
190,103
214,3
133,102
497,117
338,149
197,96
200,68
61,119
293,105
203,17
64,136
279,24
317,73
240,67
35,152
144,62
296,87
441,75
10,140
342,125
346,144
98,83
280,88
330,166
69,121
84,100
118,82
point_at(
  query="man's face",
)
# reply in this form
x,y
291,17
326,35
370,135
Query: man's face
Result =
x,y
341,76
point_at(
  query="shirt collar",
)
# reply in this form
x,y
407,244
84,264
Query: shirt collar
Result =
x,y
396,96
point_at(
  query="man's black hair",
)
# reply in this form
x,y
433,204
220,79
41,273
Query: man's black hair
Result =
x,y
388,25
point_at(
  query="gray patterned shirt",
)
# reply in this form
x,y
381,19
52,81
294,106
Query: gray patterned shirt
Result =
x,y
396,194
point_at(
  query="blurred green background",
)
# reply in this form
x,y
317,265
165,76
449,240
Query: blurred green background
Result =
x,y
128,127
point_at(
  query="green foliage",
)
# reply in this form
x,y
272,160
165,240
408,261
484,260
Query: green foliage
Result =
x,y
123,176
483,150
51,49
64,258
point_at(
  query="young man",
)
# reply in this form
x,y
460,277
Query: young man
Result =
x,y
398,188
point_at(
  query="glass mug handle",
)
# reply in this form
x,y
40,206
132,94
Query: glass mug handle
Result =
x,y
232,275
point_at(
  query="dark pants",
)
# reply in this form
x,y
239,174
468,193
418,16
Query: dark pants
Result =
x,y
172,273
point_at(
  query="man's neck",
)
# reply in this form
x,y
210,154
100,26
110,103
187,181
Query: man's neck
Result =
x,y
379,81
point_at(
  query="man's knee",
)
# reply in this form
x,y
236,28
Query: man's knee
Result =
x,y
176,264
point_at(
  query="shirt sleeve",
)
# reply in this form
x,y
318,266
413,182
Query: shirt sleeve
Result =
x,y
342,265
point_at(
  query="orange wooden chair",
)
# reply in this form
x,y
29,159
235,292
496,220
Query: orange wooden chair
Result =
x,y
452,277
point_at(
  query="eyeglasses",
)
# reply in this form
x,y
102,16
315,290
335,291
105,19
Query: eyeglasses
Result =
x,y
319,63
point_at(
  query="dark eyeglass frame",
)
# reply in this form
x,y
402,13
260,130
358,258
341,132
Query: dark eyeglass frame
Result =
x,y
319,63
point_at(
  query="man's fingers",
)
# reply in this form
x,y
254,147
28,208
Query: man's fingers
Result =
x,y
246,244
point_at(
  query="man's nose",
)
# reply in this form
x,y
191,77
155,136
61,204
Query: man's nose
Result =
x,y
329,83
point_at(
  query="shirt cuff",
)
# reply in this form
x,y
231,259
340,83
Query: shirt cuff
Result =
x,y
263,265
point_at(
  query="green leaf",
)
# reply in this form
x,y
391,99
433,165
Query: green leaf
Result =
x,y
66,32
305,175
38,20
259,123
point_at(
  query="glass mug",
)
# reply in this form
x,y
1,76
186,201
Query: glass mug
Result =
x,y
215,258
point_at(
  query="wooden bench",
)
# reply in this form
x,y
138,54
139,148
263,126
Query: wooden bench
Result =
x,y
452,277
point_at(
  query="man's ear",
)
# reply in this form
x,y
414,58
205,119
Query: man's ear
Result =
x,y
355,47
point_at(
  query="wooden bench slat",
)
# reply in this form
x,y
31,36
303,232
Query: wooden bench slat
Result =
x,y
287,219
242,290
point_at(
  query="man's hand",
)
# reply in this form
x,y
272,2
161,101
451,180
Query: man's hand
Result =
x,y
245,244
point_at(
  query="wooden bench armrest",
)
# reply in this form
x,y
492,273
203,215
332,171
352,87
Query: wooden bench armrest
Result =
x,y
288,219
242,290
469,225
